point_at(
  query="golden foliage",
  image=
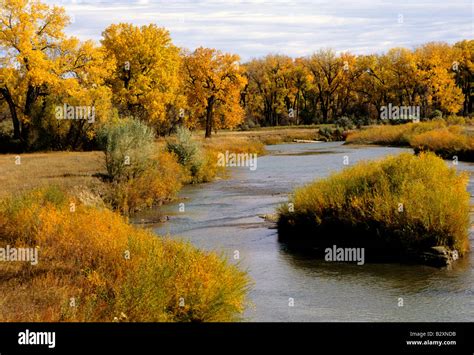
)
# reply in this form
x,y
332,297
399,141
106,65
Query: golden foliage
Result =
x,y
159,183
368,196
108,268
214,81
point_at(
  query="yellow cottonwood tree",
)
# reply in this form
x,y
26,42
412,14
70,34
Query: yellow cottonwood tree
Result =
x,y
436,74
214,81
464,69
30,32
146,82
43,68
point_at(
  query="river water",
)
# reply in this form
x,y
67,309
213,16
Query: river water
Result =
x,y
223,216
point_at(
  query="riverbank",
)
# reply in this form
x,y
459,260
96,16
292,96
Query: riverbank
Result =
x,y
85,171
91,265
452,140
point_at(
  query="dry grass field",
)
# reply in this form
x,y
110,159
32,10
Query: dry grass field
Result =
x,y
68,169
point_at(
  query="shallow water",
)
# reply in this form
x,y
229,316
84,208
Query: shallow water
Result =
x,y
223,216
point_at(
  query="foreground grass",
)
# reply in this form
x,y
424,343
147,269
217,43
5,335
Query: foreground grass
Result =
x,y
437,136
392,207
94,266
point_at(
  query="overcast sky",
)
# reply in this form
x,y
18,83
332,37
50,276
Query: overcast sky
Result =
x,y
254,28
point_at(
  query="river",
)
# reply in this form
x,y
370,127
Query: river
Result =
x,y
223,216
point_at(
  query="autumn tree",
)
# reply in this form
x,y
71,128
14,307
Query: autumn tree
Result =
x,y
43,68
463,66
147,82
327,70
437,77
271,92
374,84
214,82
30,32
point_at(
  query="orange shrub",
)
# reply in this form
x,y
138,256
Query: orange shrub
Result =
x,y
158,184
94,266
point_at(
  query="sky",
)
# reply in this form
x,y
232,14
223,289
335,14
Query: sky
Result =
x,y
255,28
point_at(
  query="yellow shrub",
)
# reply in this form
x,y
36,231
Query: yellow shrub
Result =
x,y
94,266
449,139
158,184
209,169
397,135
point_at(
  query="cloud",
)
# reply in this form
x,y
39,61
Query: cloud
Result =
x,y
254,28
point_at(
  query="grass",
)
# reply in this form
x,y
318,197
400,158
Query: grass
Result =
x,y
446,142
445,139
94,266
273,135
234,144
393,206
83,173
67,169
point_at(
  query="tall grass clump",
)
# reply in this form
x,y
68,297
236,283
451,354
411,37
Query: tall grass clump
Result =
x,y
392,207
94,266
446,142
394,135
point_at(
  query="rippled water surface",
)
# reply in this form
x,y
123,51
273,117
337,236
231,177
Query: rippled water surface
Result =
x,y
223,216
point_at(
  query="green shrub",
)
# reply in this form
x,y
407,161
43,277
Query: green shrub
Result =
x,y
362,205
436,114
128,145
344,122
329,134
187,150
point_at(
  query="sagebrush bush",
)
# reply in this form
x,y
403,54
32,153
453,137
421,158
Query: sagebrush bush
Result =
x,y
111,269
330,134
344,122
187,150
363,202
128,145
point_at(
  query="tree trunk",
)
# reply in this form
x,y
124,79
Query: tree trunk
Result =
x,y
11,105
209,116
31,96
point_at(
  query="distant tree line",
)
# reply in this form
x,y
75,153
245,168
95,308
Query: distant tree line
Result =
x,y
48,80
